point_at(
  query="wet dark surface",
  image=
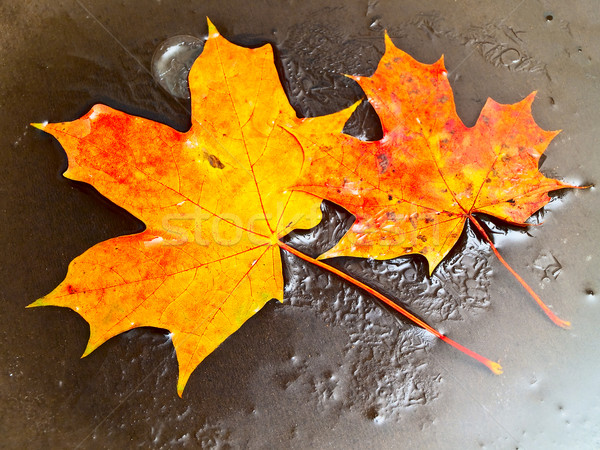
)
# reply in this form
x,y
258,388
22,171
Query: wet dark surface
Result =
x,y
328,368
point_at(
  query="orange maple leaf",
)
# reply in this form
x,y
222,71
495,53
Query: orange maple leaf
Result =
x,y
215,201
413,190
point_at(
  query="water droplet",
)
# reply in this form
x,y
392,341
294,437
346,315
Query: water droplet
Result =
x,y
172,61
376,24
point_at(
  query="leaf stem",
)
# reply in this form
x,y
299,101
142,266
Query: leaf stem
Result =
x,y
557,320
493,366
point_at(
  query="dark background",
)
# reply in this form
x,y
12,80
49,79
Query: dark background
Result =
x,y
328,368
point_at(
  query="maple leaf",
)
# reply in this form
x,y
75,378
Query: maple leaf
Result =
x,y
215,201
413,190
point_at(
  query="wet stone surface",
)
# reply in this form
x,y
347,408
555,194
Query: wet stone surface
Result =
x,y
329,367
386,366
325,90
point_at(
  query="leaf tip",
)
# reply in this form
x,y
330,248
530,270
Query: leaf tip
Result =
x,y
344,114
212,29
388,41
181,383
530,98
442,65
88,349
433,260
38,302
331,253
431,268
39,125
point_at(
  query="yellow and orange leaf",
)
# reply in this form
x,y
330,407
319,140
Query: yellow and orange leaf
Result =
x,y
215,201
412,191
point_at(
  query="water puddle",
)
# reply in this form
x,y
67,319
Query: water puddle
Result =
x,y
172,61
